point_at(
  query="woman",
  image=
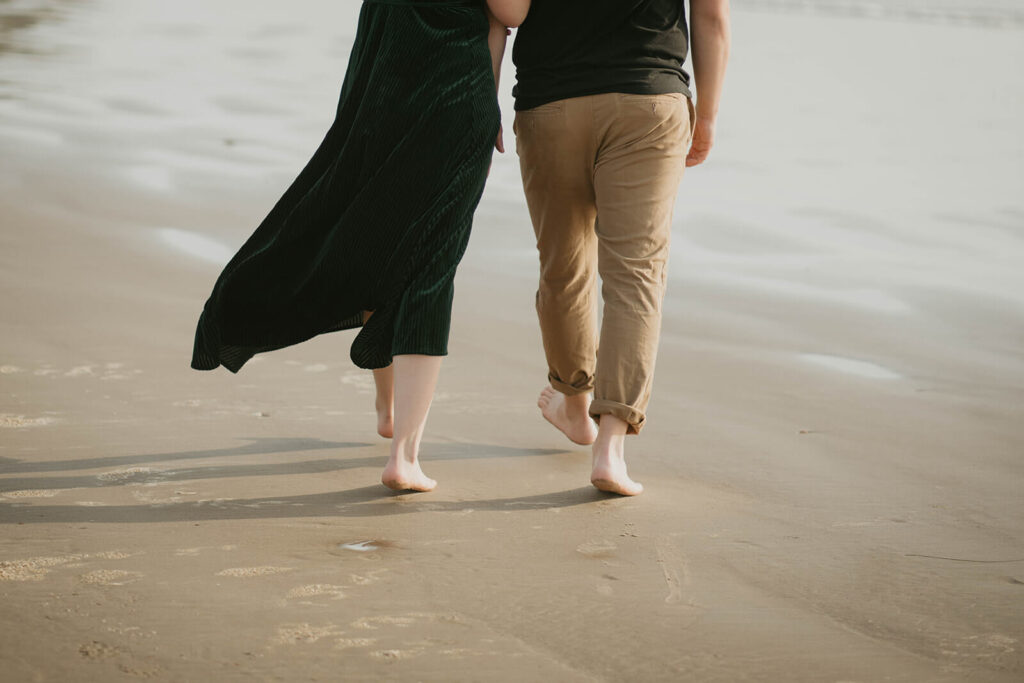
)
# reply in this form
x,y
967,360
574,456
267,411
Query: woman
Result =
x,y
370,233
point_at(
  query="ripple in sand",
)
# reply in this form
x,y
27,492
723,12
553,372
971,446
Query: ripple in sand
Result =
x,y
244,572
850,366
345,643
291,634
33,568
139,474
10,421
33,493
110,577
394,654
315,589
596,548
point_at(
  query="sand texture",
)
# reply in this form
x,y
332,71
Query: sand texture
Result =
x,y
834,459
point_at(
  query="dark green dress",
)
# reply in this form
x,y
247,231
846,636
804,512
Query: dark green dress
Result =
x,y
380,217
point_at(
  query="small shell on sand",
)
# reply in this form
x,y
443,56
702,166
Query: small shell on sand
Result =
x,y
359,546
240,572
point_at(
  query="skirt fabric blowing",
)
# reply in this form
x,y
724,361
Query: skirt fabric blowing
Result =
x,y
380,217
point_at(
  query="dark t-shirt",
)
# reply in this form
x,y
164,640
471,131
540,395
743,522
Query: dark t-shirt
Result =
x,y
571,48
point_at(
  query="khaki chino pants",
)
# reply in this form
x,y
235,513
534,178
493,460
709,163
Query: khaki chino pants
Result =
x,y
600,174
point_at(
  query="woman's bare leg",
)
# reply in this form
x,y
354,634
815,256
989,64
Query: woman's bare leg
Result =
x,y
415,377
384,378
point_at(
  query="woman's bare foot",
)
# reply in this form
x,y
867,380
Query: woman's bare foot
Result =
x,y
569,414
609,463
415,377
402,475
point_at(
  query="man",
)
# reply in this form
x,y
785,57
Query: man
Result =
x,y
603,122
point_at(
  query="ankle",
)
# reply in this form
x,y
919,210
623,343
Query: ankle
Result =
x,y
404,451
577,405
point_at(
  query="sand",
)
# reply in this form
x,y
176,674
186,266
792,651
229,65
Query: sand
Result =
x,y
833,462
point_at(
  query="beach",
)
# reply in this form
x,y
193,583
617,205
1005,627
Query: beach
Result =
x,y
834,455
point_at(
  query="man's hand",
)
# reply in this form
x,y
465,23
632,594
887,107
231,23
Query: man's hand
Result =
x,y
499,144
703,140
709,38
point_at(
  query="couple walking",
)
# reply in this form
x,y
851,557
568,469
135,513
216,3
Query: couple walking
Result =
x,y
370,233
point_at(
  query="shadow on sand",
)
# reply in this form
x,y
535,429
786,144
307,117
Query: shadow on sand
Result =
x,y
368,501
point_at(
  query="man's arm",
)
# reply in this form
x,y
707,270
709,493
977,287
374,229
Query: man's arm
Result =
x,y
502,14
709,38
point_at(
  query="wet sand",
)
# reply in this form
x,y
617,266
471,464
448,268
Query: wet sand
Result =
x,y
833,464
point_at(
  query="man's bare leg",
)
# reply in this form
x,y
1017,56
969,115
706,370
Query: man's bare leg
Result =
x,y
609,463
384,378
569,414
415,377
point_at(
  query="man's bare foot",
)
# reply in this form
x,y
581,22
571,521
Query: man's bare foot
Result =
x,y
569,414
402,475
609,463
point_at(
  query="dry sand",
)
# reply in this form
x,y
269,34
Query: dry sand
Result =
x,y
834,458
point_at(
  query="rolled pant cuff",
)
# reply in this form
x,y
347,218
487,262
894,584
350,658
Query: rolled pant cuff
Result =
x,y
634,418
569,389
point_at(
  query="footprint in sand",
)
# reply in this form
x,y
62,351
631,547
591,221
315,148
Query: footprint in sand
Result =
x,y
367,578
98,650
245,572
